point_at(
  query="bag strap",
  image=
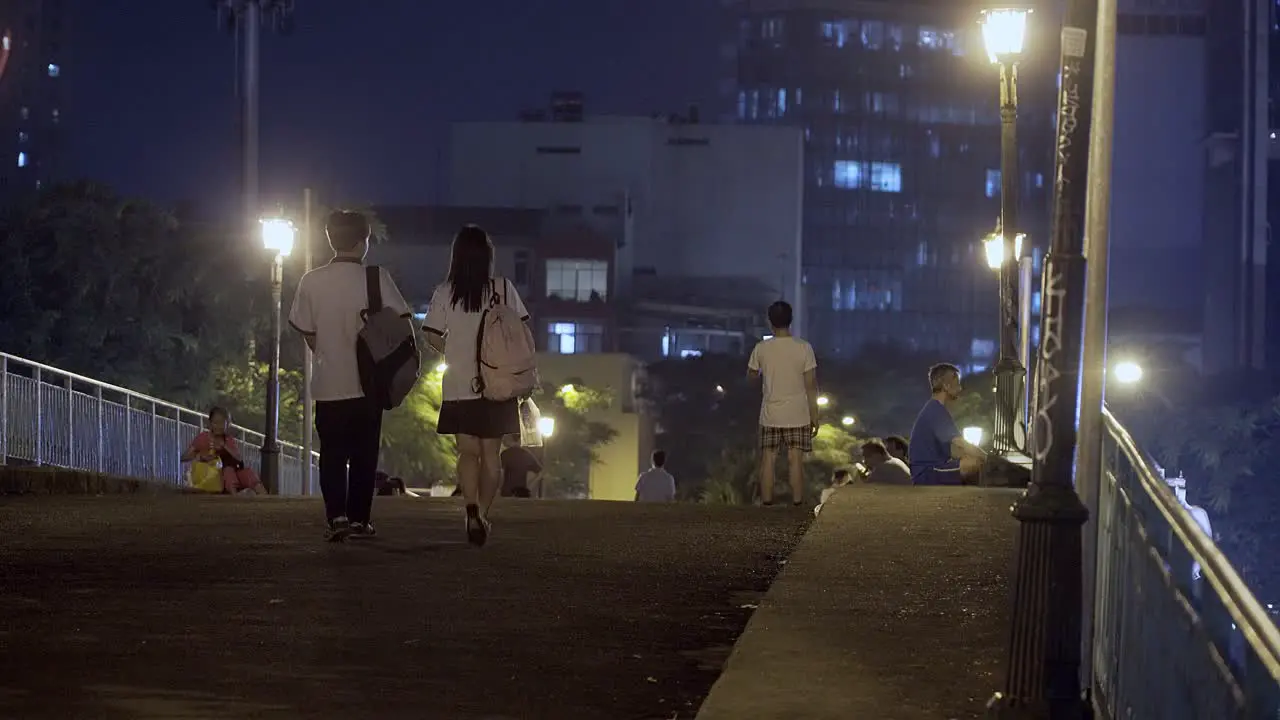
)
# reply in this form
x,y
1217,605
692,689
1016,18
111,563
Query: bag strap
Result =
x,y
373,288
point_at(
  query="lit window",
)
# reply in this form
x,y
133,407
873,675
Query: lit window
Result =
x,y
23,136
836,33
877,176
772,29
742,104
54,70
873,34
929,38
22,159
782,101
993,183
982,348
25,112
567,338
579,280
1035,302
1039,180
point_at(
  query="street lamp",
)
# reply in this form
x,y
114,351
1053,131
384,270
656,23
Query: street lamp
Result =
x,y
994,247
277,237
547,426
1004,31
972,435
823,401
847,420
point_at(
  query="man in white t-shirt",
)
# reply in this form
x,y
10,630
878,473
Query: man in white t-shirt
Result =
x,y
327,311
656,484
789,411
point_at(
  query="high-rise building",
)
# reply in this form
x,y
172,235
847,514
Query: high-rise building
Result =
x,y
30,95
899,107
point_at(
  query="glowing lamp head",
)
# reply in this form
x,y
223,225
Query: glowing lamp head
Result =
x,y
823,401
278,236
847,420
1128,372
994,247
547,426
1004,32
972,435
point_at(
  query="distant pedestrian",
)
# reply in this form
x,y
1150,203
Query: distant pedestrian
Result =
x,y
897,447
881,468
789,409
521,471
328,312
453,326
656,484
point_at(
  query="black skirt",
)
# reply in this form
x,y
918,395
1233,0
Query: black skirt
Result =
x,y
479,418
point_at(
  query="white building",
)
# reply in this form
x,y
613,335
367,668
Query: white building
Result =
x,y
709,203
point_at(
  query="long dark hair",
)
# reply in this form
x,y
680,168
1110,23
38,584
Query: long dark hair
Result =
x,y
470,267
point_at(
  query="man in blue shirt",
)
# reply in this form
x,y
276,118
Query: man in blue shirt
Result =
x,y
939,454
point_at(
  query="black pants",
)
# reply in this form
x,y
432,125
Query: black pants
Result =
x,y
350,432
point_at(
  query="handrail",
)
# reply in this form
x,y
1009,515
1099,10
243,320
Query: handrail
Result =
x,y
134,394
1245,610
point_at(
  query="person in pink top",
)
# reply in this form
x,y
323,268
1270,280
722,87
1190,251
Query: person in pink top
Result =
x,y
217,444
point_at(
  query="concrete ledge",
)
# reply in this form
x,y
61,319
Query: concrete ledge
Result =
x,y
893,607
18,480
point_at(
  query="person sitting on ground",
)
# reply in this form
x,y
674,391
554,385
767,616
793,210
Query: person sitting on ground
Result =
x,y
897,447
385,485
656,484
881,467
216,446
939,453
521,471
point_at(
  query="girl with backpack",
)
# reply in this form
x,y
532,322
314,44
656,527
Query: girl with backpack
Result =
x,y
480,324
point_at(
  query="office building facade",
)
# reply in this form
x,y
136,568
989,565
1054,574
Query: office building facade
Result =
x,y
899,109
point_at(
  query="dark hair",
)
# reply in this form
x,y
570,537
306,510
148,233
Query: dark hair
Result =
x,y
219,410
470,267
938,373
780,314
841,474
346,230
659,458
897,441
873,446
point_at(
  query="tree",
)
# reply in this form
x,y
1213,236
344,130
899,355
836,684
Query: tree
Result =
x,y
113,288
568,454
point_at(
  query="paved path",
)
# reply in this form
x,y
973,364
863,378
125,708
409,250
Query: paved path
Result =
x,y
176,608
894,607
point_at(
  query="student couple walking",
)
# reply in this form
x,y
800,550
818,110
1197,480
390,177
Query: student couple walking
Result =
x,y
359,328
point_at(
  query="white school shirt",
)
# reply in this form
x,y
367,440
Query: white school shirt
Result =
x,y
328,305
459,327
782,363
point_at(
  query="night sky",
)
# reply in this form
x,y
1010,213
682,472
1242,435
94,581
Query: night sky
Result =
x,y
356,103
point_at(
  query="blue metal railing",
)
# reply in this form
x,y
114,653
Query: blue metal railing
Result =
x,y
1177,635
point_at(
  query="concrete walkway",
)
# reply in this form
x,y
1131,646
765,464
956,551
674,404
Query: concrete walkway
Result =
x,y
893,607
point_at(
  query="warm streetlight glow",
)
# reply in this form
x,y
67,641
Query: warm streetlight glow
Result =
x,y
720,388
442,367
565,390
847,420
278,235
547,426
972,435
1004,31
994,245
823,401
1128,372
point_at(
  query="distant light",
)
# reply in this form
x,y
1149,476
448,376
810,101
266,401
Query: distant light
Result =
x,y
994,246
54,70
278,235
823,401
566,389
22,159
547,426
720,388
1128,372
972,435
847,420
1004,31
442,367
768,337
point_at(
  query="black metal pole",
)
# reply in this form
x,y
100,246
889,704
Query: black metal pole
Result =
x,y
1043,679
1009,371
271,443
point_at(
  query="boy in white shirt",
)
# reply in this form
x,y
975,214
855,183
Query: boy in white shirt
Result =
x,y
327,312
789,410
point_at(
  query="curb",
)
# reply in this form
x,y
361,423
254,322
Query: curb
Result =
x,y
63,481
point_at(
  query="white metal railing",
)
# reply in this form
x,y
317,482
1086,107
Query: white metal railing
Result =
x,y
52,417
1171,643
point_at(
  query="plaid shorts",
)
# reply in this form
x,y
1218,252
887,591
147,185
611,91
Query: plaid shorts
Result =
x,y
800,438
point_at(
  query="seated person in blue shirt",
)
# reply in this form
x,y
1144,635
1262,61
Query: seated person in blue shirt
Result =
x,y
939,454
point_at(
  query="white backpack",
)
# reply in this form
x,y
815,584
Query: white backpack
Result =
x,y
506,358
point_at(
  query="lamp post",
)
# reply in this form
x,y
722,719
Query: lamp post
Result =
x,y
994,247
277,237
1042,678
1004,31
